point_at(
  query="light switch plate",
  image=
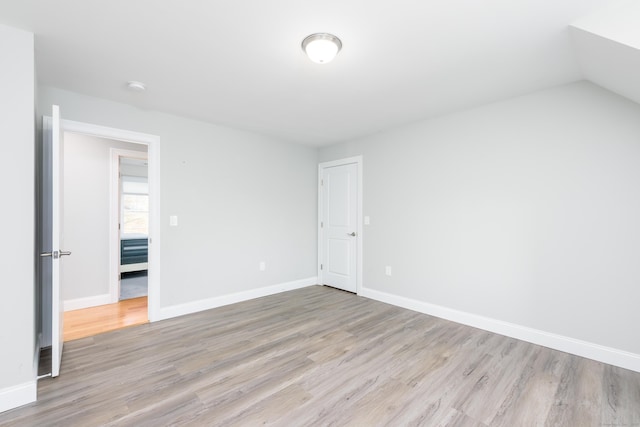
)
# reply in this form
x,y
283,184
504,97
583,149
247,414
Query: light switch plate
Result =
x,y
173,220
367,220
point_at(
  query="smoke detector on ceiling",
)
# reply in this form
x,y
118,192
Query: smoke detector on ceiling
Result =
x,y
136,86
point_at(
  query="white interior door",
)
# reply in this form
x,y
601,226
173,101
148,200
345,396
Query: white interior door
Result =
x,y
339,226
53,147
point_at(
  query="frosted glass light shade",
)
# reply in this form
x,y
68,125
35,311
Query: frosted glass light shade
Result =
x,y
321,47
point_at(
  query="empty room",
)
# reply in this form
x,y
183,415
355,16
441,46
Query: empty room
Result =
x,y
333,213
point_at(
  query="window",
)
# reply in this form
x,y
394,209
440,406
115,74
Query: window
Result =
x,y
135,214
135,205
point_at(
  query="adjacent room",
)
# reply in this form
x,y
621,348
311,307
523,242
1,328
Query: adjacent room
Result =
x,y
106,222
342,213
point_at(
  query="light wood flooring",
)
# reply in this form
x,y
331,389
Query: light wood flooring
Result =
x,y
104,318
318,357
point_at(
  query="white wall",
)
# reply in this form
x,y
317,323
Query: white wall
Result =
x,y
17,251
525,211
240,198
87,162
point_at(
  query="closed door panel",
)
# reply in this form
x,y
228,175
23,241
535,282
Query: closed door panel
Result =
x,y
338,257
340,213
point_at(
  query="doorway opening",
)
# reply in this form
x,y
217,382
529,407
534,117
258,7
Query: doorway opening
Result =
x,y
51,240
133,213
105,182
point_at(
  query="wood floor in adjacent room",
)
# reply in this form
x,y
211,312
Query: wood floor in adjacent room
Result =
x,y
319,356
91,321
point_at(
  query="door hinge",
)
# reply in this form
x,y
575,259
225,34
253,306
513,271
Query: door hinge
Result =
x,y
320,266
321,224
321,182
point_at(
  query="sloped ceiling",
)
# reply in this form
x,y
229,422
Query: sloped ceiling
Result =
x,y
608,48
239,63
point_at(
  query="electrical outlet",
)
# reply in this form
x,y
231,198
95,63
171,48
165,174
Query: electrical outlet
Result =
x,y
387,270
263,266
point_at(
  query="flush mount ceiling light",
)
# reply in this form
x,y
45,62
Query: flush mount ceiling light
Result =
x,y
136,86
321,47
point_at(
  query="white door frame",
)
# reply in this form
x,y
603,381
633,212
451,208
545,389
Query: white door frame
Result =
x,y
321,166
114,216
153,153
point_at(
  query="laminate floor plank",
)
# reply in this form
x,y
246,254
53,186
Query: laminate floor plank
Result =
x,y
318,356
483,400
578,399
533,396
622,394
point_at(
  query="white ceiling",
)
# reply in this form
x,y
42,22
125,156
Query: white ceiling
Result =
x,y
239,62
608,48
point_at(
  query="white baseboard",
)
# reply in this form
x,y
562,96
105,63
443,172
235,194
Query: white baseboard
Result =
x,y
77,304
18,395
206,304
581,348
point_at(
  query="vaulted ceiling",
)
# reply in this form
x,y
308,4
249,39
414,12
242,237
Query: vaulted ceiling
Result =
x,y
608,47
239,62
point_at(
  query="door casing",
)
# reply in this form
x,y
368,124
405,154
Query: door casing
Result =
x,y
359,255
153,152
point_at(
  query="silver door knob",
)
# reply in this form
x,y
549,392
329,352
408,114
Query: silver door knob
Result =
x,y
353,233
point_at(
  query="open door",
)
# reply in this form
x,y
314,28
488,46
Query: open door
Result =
x,y
53,170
